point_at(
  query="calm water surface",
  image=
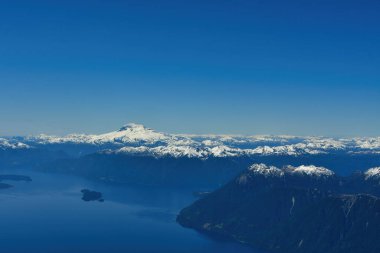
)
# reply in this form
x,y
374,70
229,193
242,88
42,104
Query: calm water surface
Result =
x,y
48,215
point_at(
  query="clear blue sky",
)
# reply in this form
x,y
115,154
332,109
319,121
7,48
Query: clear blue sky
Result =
x,y
243,66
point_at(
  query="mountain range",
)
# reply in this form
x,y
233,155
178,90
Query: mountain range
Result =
x,y
137,154
136,138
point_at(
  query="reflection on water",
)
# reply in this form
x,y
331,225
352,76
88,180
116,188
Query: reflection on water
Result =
x,y
48,215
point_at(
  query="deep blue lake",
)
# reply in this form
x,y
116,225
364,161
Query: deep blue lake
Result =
x,y
48,215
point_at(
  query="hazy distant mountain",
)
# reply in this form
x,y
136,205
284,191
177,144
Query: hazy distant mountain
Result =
x,y
293,209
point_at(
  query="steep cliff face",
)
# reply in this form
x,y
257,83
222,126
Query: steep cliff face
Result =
x,y
346,223
290,210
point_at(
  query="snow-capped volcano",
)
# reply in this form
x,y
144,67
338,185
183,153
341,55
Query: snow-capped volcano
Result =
x,y
133,133
128,134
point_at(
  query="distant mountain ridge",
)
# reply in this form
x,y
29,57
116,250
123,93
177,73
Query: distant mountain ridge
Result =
x,y
137,139
293,209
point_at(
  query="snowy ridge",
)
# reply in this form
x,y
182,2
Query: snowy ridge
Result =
x,y
368,143
182,151
9,144
373,173
265,170
241,139
160,151
206,149
72,138
295,149
274,172
310,170
261,170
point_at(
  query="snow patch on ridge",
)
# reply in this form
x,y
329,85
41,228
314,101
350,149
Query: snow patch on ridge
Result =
x,y
182,151
7,144
372,173
271,172
310,170
266,170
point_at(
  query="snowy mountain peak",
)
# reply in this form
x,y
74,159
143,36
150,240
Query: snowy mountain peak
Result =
x,y
261,170
271,172
266,170
310,170
372,173
132,133
5,144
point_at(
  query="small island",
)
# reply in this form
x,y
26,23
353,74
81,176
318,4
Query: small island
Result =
x,y
89,195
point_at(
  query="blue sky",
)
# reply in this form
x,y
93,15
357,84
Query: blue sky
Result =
x,y
244,66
